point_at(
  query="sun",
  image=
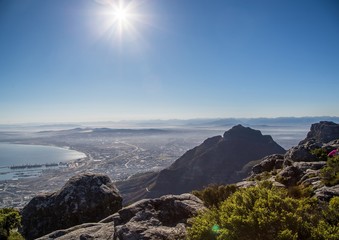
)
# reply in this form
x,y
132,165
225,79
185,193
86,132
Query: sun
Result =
x,y
121,15
123,19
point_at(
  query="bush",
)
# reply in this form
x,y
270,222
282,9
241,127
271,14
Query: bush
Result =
x,y
9,219
14,235
260,213
330,173
328,227
320,153
214,194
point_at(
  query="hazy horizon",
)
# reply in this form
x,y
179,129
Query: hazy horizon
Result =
x,y
113,60
153,122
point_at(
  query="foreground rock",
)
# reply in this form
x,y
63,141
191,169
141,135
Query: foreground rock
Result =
x,y
151,219
84,198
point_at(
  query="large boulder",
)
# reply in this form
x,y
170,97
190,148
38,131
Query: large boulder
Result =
x,y
148,219
161,218
84,198
300,153
269,163
289,176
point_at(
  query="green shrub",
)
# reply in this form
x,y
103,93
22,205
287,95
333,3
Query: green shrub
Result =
x,y
15,235
259,213
214,194
328,227
330,173
320,153
9,219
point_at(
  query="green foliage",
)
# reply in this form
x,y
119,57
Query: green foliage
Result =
x,y
14,235
214,194
9,219
266,213
320,153
328,227
330,173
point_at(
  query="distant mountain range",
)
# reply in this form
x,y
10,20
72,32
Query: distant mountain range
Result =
x,y
215,122
198,122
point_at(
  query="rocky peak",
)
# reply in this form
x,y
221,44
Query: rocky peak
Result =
x,y
216,160
322,132
84,198
240,131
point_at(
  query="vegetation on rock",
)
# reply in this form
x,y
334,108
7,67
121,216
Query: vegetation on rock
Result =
x,y
320,153
265,213
214,194
10,220
330,173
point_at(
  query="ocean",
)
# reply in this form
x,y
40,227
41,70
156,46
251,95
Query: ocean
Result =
x,y
20,160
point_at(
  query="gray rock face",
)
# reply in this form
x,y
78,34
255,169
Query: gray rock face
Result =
x,y
84,231
322,132
84,198
326,193
289,176
149,219
300,154
309,165
161,218
269,163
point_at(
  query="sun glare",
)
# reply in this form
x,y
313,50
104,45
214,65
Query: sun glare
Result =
x,y
123,20
121,15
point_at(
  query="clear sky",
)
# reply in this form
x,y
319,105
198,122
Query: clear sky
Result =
x,y
79,60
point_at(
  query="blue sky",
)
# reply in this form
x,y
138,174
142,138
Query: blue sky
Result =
x,y
66,61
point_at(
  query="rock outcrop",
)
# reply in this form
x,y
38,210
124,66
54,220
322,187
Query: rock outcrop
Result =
x,y
300,153
269,163
322,132
326,193
84,198
216,160
151,219
301,165
161,218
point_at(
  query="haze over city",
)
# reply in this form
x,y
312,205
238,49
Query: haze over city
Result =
x,y
103,60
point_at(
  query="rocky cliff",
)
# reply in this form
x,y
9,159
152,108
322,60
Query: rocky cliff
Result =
x,y
301,165
84,198
153,219
322,132
216,160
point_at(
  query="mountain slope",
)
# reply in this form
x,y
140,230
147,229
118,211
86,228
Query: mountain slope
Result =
x,y
214,161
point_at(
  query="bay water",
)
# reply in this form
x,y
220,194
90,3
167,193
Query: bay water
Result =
x,y
21,160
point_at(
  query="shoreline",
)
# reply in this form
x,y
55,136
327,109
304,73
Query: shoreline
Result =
x,y
17,171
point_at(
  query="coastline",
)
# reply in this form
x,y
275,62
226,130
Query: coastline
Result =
x,y
31,169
